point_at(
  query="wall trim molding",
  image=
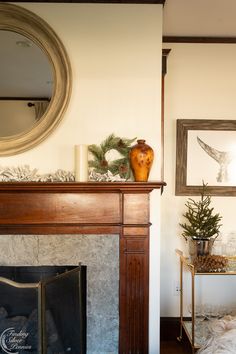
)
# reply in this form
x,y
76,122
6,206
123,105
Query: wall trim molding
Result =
x,y
198,39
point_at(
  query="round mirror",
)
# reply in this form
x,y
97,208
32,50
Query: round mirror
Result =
x,y
26,83
35,79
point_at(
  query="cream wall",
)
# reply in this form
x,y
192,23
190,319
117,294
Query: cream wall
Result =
x,y
200,84
115,53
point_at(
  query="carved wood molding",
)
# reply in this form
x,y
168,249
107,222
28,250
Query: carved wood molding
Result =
x,y
93,208
82,187
97,1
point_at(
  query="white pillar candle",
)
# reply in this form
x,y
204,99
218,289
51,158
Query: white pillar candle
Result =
x,y
81,163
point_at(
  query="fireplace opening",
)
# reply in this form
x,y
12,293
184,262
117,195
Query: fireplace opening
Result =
x,y
43,309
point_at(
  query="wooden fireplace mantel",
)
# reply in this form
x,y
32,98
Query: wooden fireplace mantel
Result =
x,y
93,208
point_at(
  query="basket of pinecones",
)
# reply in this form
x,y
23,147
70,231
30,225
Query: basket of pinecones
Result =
x,y
210,263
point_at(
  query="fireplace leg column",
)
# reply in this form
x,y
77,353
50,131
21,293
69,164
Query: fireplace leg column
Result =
x,y
134,290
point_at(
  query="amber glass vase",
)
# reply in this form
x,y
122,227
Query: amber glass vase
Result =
x,y
141,159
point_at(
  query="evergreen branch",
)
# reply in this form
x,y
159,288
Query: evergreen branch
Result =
x,y
96,151
109,143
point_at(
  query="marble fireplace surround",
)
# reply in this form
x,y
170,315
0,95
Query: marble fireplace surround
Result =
x,y
101,208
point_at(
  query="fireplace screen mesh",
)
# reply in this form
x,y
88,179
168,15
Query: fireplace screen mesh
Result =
x,y
43,310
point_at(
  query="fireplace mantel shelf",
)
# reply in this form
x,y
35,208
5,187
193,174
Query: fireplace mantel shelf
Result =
x,y
93,208
93,187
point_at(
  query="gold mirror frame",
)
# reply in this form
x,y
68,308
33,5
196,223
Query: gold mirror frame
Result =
x,y
17,19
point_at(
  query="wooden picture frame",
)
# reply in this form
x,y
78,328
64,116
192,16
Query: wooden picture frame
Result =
x,y
208,157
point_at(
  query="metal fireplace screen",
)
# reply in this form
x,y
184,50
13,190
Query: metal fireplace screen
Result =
x,y
43,310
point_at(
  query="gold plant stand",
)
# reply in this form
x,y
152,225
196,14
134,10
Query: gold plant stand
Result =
x,y
196,332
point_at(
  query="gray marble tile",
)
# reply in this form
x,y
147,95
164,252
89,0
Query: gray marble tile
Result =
x,y
107,331
18,250
102,299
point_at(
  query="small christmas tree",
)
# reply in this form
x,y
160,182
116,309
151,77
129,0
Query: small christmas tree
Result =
x,y
202,223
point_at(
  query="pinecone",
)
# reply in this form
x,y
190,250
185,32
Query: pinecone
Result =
x,y
211,263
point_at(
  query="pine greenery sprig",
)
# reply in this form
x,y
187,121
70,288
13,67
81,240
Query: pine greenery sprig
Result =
x,y
202,222
119,166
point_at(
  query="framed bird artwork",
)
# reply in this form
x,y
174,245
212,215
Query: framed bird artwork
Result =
x,y
206,152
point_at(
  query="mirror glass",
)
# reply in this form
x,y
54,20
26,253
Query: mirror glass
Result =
x,y
35,79
26,83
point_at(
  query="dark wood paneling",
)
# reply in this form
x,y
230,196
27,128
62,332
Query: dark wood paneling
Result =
x,y
135,208
136,298
134,291
60,208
